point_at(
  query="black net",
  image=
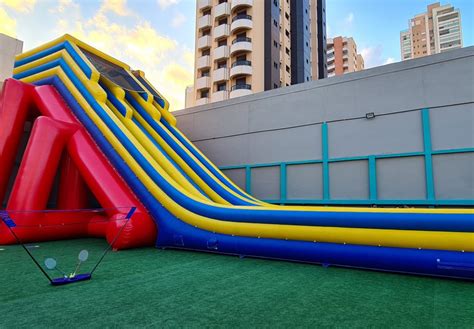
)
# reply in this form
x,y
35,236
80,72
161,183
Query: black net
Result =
x,y
65,245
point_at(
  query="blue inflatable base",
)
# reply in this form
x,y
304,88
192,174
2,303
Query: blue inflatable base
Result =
x,y
175,233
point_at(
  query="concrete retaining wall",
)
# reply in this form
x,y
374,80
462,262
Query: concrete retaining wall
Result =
x,y
312,143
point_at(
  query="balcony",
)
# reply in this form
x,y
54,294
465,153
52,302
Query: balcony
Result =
x,y
240,90
204,42
202,101
203,83
241,68
241,44
204,4
240,4
220,52
241,22
220,74
204,22
203,62
220,96
221,31
222,9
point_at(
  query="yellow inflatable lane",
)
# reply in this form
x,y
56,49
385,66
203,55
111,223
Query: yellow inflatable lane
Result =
x,y
375,237
146,143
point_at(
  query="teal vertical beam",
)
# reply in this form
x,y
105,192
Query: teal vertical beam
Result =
x,y
428,151
248,180
283,182
372,179
325,147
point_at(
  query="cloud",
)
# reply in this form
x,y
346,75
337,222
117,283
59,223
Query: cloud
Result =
x,y
372,56
171,81
137,44
167,3
350,18
63,6
178,20
189,58
8,25
389,60
23,6
118,7
167,65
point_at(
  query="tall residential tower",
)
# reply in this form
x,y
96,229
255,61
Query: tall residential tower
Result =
x,y
342,56
248,46
436,31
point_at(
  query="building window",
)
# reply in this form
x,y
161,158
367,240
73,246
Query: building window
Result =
x,y
206,52
221,86
204,73
206,12
222,42
287,51
275,65
205,93
240,81
287,33
275,44
275,2
223,21
222,64
275,23
287,69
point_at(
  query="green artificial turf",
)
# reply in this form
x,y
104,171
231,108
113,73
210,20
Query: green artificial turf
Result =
x,y
165,288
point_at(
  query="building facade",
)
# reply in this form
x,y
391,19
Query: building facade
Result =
x,y
9,47
342,56
437,30
247,46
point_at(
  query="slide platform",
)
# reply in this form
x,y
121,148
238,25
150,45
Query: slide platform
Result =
x,y
124,146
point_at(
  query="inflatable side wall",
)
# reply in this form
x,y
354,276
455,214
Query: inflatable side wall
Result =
x,y
125,121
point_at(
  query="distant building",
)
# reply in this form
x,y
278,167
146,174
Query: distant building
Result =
x,y
247,46
342,56
9,47
433,32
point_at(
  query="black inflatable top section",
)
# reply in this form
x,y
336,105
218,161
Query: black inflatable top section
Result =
x,y
113,72
150,89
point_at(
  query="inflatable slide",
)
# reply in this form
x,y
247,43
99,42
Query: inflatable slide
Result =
x,y
103,129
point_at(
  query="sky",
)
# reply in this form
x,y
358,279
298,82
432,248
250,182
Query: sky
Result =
x,y
157,36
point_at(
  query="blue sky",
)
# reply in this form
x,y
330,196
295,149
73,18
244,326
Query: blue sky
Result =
x,y
375,24
157,36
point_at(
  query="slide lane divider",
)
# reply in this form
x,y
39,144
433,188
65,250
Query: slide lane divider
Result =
x,y
177,234
235,200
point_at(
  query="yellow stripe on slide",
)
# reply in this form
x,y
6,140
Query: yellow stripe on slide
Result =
x,y
392,238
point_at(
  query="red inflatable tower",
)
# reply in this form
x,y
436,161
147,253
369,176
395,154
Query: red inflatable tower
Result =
x,y
59,146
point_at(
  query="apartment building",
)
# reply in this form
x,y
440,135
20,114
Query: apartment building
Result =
x,y
437,30
9,48
342,56
247,46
